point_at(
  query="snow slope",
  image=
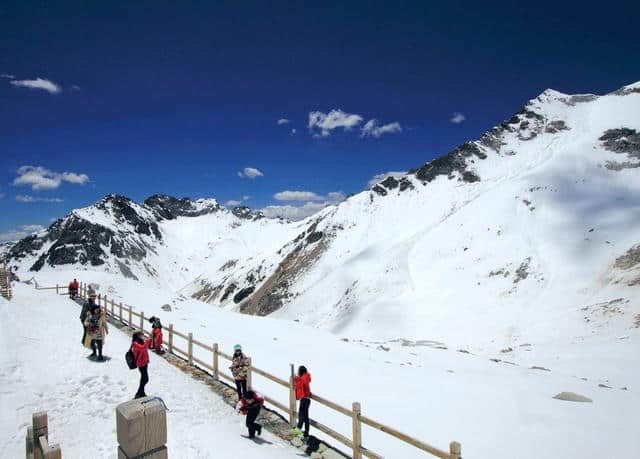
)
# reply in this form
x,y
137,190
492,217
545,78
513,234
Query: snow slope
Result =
x,y
44,367
427,388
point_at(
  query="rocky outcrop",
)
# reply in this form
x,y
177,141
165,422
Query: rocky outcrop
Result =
x,y
246,213
452,163
168,208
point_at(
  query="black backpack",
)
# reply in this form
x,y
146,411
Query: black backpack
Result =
x,y
131,359
313,444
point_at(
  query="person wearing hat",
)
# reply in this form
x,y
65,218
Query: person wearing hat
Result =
x,y
86,307
239,368
96,331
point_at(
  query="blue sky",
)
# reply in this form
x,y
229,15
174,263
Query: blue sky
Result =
x,y
144,97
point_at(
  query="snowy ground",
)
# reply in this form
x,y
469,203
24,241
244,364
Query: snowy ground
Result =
x,y
44,367
426,389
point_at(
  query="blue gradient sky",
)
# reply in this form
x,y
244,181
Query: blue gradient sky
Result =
x,y
177,97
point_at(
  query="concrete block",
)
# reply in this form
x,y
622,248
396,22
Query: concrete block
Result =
x,y
141,426
160,453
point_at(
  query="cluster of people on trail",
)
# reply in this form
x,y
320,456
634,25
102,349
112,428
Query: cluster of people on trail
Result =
x,y
250,402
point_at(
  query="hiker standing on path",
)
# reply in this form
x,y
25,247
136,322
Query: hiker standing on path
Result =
x,y
96,331
250,405
303,393
86,307
239,368
139,347
156,335
73,288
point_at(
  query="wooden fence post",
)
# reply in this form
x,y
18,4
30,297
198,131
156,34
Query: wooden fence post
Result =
x,y
104,300
30,443
56,288
120,306
292,399
455,450
357,431
113,308
190,349
130,318
215,361
249,375
170,339
142,322
40,428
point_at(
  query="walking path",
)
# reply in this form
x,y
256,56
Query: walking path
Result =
x,y
44,367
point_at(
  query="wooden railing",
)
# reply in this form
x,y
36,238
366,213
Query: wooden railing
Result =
x,y
5,280
126,315
37,441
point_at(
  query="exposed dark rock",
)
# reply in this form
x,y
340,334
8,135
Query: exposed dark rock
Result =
x,y
166,307
454,161
622,140
228,291
122,209
629,259
242,294
580,99
314,237
168,207
390,183
493,138
126,272
556,126
523,271
470,177
380,190
625,91
246,213
405,184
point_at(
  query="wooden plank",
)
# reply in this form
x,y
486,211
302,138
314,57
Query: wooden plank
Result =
x,y
202,364
292,397
227,377
215,361
190,349
275,403
226,356
356,430
40,424
170,338
406,438
275,379
29,443
455,450
54,452
180,351
202,345
176,332
332,405
332,433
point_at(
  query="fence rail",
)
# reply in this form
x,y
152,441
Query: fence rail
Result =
x,y
125,314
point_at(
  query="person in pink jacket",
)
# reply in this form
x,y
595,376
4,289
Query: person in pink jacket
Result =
x,y
140,348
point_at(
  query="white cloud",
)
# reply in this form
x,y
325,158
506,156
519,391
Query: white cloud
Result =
x,y
246,197
293,131
232,203
380,177
6,75
457,118
321,124
29,198
282,121
315,203
250,172
40,178
372,129
38,83
75,87
297,196
17,234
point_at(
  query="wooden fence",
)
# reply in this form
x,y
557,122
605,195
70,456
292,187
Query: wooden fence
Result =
x,y
126,315
5,280
37,441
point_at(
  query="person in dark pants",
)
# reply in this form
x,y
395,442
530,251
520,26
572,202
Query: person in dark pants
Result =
x,y
239,368
303,393
86,307
250,405
140,349
97,330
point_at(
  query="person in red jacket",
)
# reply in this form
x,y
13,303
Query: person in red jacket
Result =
x,y
250,404
156,336
303,393
139,347
73,288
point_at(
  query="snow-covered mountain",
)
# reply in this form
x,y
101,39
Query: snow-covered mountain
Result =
x,y
528,233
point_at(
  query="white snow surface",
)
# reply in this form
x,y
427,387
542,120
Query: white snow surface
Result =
x,y
44,367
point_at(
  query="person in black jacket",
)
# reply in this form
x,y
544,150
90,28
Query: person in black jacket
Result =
x,y
86,307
